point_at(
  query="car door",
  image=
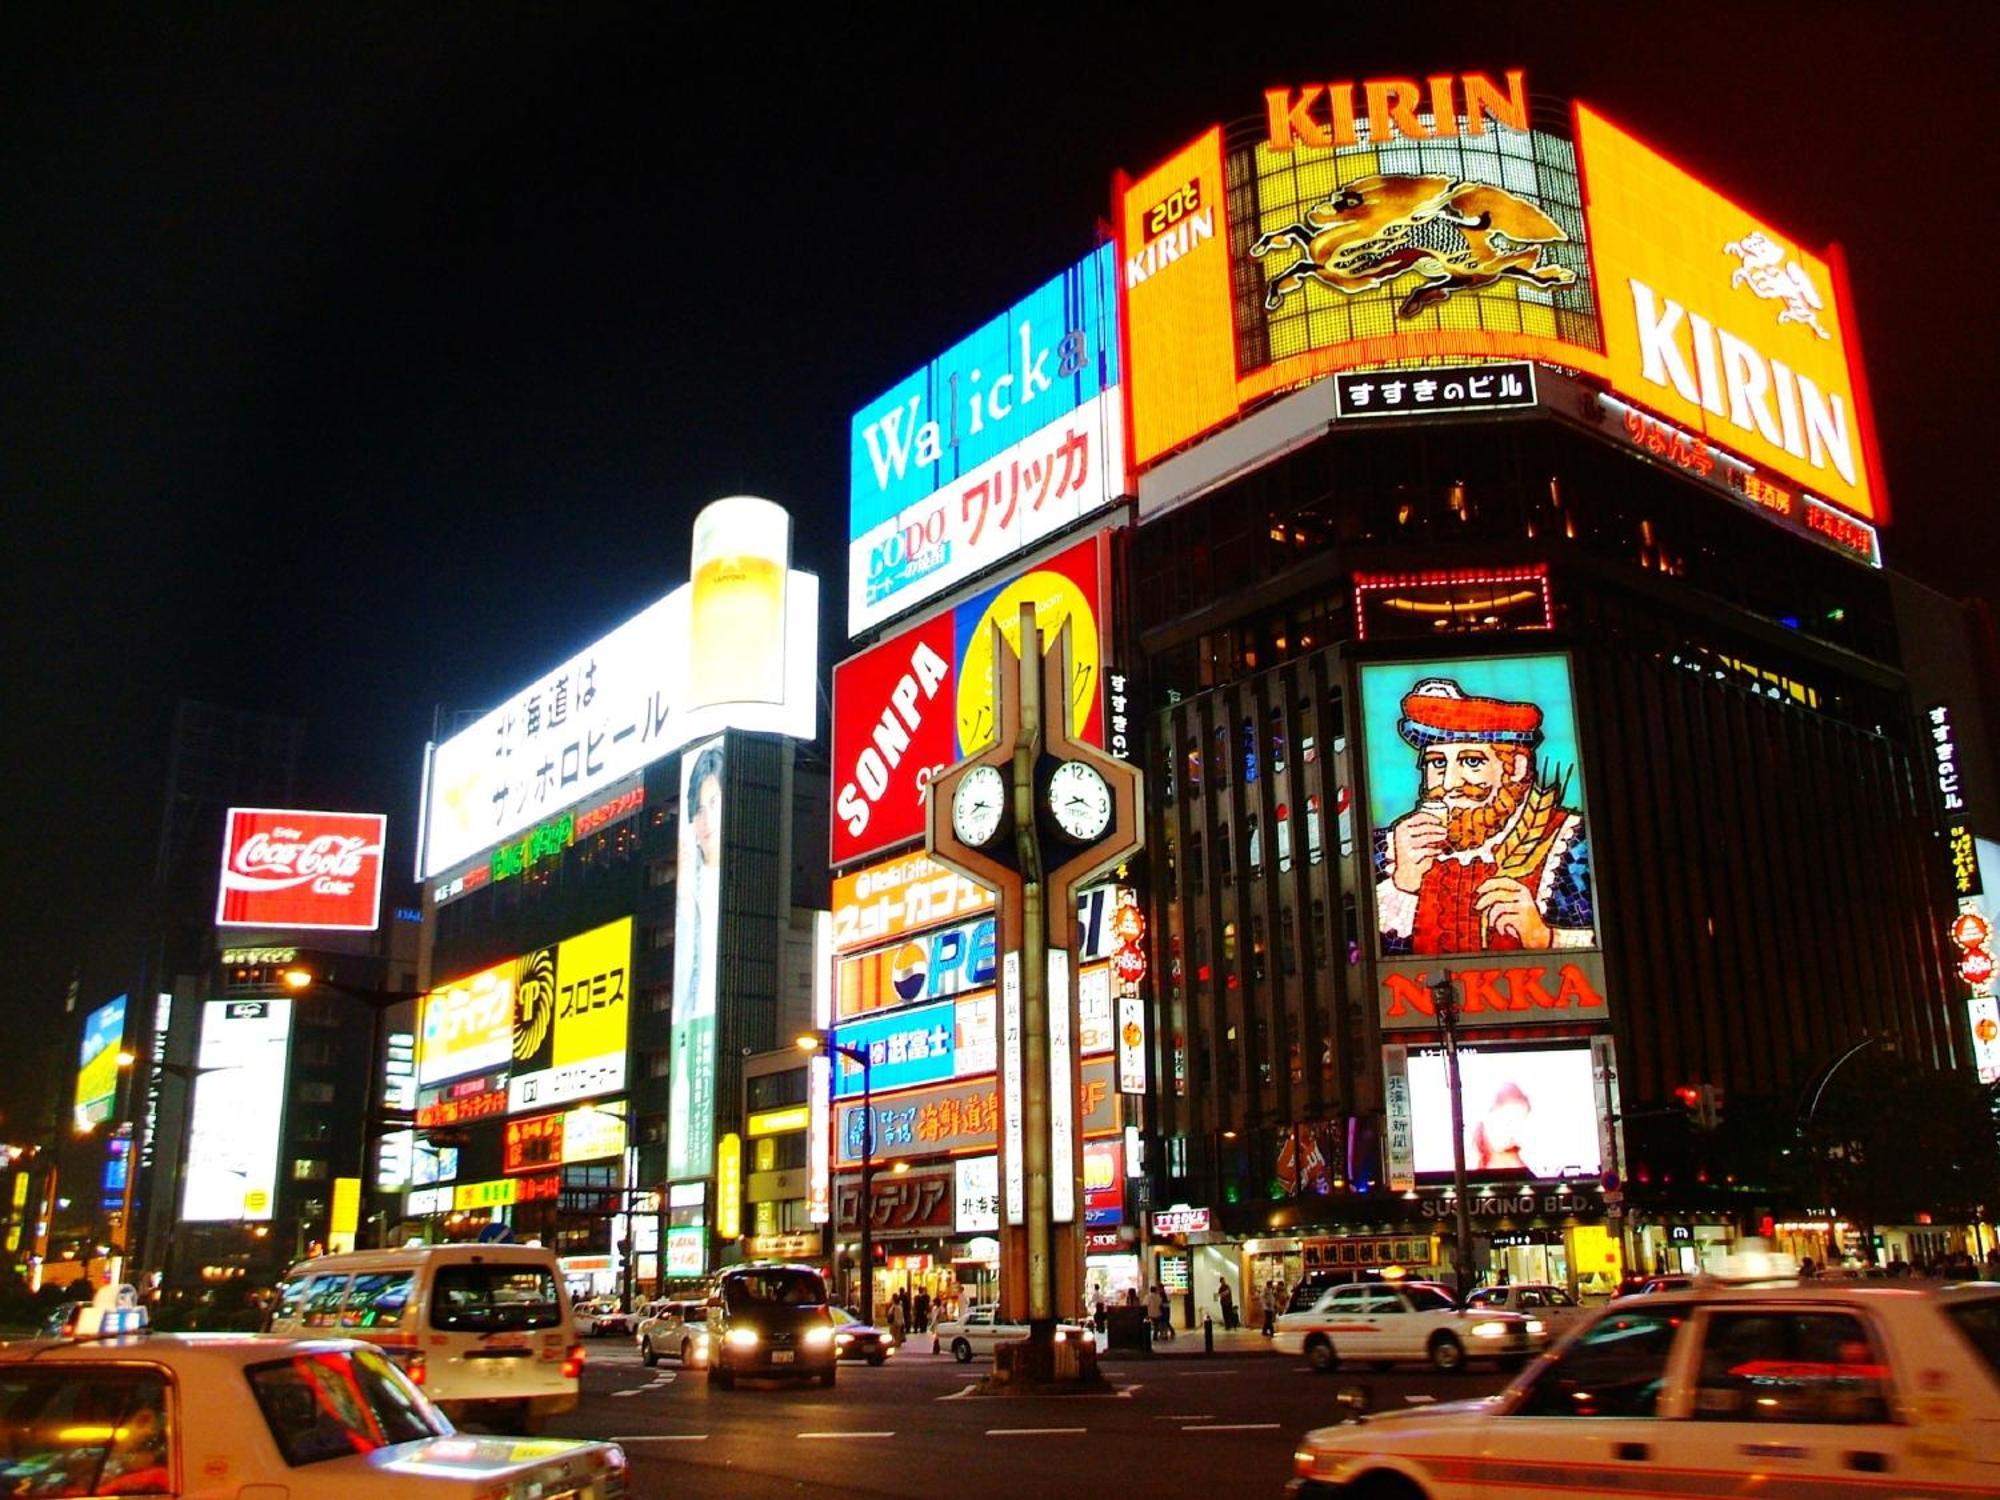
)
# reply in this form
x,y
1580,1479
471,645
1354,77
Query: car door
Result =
x,y
1346,1318
1398,1330
979,1330
1588,1414
1801,1390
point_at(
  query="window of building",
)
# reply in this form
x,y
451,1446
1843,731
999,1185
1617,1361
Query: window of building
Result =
x,y
1254,845
1287,942
1221,766
1257,947
1249,750
308,1169
313,1093
1225,858
658,1062
776,1090
658,999
1276,722
1197,873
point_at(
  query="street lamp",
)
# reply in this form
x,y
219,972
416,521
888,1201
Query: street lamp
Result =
x,y
1445,994
1808,1110
374,1119
811,1042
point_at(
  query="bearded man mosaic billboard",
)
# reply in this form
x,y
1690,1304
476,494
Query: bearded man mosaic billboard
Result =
x,y
1476,806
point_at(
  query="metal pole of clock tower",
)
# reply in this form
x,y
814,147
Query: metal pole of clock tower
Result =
x,y
1035,996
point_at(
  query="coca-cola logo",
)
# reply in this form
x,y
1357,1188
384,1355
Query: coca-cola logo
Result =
x,y
285,857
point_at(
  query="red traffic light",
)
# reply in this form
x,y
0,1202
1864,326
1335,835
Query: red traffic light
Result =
x,y
1689,1095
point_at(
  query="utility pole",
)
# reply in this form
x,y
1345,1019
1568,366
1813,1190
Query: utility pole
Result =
x,y
1444,994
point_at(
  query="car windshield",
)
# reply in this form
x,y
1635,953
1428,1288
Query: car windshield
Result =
x,y
1426,1299
1978,1318
73,1430
494,1299
774,1288
338,1402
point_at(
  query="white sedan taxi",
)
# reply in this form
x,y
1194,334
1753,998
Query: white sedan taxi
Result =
x,y
1533,1299
216,1416
974,1335
1380,1323
1785,1391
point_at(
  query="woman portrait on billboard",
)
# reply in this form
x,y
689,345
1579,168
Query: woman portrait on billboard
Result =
x,y
1497,1137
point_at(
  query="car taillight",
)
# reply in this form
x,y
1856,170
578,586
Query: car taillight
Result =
x,y
572,1368
414,1367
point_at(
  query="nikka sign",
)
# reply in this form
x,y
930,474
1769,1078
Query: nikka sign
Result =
x,y
284,868
1502,988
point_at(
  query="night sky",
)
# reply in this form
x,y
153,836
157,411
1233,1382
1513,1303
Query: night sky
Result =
x,y
354,361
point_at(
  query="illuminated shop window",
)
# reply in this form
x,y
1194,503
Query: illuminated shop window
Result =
x,y
1389,606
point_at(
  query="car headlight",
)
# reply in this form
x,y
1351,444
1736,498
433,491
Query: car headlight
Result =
x,y
1489,1330
818,1338
1311,1463
888,1341
742,1338
1536,1325
843,1339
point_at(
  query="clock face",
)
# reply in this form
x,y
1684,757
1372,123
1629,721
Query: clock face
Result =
x,y
977,804
1080,801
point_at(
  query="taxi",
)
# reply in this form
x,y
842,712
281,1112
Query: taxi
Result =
x,y
117,1410
1784,1389
1381,1322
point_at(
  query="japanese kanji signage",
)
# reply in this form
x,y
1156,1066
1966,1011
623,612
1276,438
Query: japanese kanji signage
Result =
x,y
1006,438
1944,753
907,1205
958,1117
883,901
284,868
978,1194
1401,1139
1453,388
922,699
572,1005
645,690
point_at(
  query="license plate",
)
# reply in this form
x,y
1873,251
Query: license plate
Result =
x,y
781,1356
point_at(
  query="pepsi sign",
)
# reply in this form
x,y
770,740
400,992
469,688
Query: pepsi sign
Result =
x,y
930,966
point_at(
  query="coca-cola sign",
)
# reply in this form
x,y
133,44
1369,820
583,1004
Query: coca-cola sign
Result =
x,y
282,868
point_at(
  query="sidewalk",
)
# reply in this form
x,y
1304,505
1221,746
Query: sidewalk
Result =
x,y
1188,1341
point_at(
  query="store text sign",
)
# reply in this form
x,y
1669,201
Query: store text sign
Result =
x,y
1327,114
1531,989
1180,1220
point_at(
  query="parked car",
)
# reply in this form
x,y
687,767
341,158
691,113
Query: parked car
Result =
x,y
1652,1284
1380,1323
214,1416
1552,1304
974,1332
770,1319
1780,1388
484,1329
602,1318
672,1328
854,1339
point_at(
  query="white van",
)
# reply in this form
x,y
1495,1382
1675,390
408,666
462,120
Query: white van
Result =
x,y
484,1329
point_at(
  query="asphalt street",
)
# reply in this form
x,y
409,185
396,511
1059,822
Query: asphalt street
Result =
x,y
1180,1425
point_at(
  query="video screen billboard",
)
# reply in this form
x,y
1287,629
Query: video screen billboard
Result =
x,y
97,1063
1722,323
1529,1112
292,868
924,698
1475,803
697,924
710,655
1005,438
239,1108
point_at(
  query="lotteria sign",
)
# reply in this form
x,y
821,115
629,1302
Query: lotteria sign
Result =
x,y
1005,438
924,698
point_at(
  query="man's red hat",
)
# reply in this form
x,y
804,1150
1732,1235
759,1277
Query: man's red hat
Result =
x,y
1437,711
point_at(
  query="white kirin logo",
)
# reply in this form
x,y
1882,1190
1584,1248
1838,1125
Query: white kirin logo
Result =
x,y
1776,279
282,859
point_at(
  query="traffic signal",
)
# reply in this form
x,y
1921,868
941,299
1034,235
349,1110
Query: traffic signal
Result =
x,y
1689,1095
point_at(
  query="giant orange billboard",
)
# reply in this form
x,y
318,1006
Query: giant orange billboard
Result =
x,y
1724,324
1173,254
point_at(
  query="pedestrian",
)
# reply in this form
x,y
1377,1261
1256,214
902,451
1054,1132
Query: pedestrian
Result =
x,y
896,1320
1156,1312
921,1311
1097,1309
1228,1300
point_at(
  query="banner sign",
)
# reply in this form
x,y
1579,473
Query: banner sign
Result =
x,y
1006,438
697,923
953,1118
283,868
906,1205
571,1015
735,648
883,901
923,699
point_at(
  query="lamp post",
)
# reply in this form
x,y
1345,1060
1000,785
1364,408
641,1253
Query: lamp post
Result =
x,y
811,1043
1809,1110
1445,995
374,1119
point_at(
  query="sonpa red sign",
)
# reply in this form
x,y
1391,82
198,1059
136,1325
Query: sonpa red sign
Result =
x,y
282,868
